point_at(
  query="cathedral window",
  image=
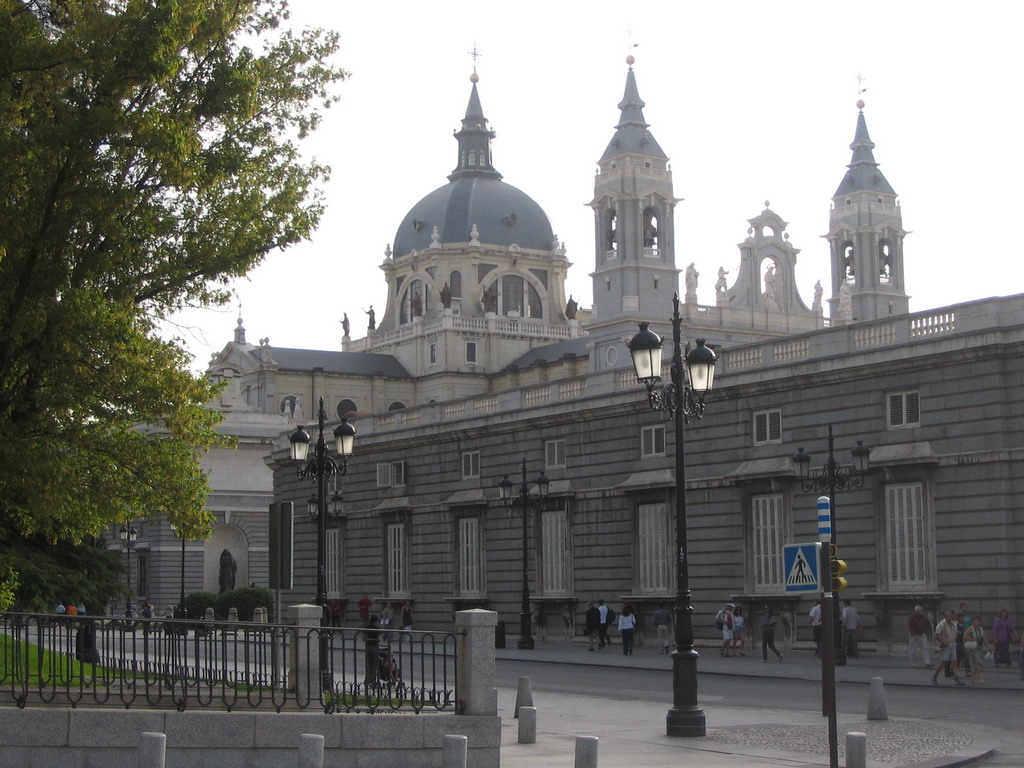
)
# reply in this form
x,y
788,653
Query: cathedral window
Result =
x,y
885,262
848,271
611,241
345,408
415,302
455,284
651,223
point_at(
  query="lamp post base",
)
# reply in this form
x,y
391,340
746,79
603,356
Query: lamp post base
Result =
x,y
525,644
685,722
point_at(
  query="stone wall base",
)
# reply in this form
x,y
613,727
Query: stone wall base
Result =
x,y
109,738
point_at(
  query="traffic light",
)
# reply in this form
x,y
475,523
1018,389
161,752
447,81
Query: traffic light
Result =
x,y
838,568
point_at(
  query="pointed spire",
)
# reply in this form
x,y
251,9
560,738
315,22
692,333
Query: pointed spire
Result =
x,y
863,174
474,140
631,134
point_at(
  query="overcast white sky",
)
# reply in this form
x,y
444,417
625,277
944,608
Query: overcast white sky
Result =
x,y
752,101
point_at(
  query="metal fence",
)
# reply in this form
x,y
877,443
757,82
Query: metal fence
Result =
x,y
166,663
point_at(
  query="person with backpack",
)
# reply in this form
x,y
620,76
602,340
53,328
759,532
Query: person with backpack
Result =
x,y
607,614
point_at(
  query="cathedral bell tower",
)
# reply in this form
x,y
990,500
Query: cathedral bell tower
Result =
x,y
866,240
635,272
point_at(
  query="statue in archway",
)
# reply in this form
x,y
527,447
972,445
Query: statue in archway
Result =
x,y
228,569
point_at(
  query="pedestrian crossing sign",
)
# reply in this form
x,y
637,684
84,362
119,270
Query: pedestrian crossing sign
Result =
x,y
802,567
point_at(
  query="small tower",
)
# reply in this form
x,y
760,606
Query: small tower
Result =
x,y
866,239
635,270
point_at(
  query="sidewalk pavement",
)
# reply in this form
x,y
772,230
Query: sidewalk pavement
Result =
x,y
633,733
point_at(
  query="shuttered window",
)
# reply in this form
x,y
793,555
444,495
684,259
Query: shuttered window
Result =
x,y
768,538
904,409
554,534
397,579
469,556
554,454
905,536
767,427
652,441
332,552
652,549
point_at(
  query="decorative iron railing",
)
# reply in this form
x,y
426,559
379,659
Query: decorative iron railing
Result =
x,y
175,664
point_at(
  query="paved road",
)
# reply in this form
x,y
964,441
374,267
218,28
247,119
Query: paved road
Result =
x,y
748,730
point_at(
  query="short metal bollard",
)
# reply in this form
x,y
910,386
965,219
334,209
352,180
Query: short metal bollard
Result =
x,y
311,750
856,750
152,748
586,752
527,725
453,751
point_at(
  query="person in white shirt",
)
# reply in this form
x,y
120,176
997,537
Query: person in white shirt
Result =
x,y
850,620
815,618
945,635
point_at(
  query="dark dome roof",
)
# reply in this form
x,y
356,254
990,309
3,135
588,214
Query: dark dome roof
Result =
x,y
503,215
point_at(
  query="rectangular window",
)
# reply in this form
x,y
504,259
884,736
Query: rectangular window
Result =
x,y
470,465
652,441
469,556
391,475
904,533
332,560
554,454
768,536
141,574
904,409
433,354
652,549
471,352
768,427
397,583
554,536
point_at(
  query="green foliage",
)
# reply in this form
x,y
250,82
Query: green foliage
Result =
x,y
148,156
62,572
246,600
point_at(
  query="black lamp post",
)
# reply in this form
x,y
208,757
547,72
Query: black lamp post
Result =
x,y
128,538
831,477
505,489
182,613
682,398
322,466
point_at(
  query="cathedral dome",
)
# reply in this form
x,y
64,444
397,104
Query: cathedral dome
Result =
x,y
502,214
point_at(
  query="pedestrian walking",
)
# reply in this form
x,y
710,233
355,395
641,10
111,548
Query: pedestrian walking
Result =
x,y
1003,634
920,631
739,631
945,635
663,626
814,616
976,644
768,622
724,622
602,629
407,615
850,620
627,628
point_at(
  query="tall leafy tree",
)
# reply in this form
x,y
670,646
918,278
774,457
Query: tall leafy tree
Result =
x,y
148,155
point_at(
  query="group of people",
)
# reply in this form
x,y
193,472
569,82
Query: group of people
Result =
x,y
598,618
70,609
963,643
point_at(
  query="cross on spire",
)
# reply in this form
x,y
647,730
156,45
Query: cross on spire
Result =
x,y
476,55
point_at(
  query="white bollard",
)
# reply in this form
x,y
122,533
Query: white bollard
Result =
x,y
311,750
524,695
527,725
152,747
453,751
586,752
876,700
856,750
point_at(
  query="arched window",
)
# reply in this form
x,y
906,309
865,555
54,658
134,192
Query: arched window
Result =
x,y
396,406
885,262
518,296
346,407
611,244
651,229
415,302
455,284
848,272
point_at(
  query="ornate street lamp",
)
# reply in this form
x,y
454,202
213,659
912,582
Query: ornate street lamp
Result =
x,y
128,538
682,399
322,466
505,491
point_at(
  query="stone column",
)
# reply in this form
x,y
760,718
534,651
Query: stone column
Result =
x,y
303,672
475,664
